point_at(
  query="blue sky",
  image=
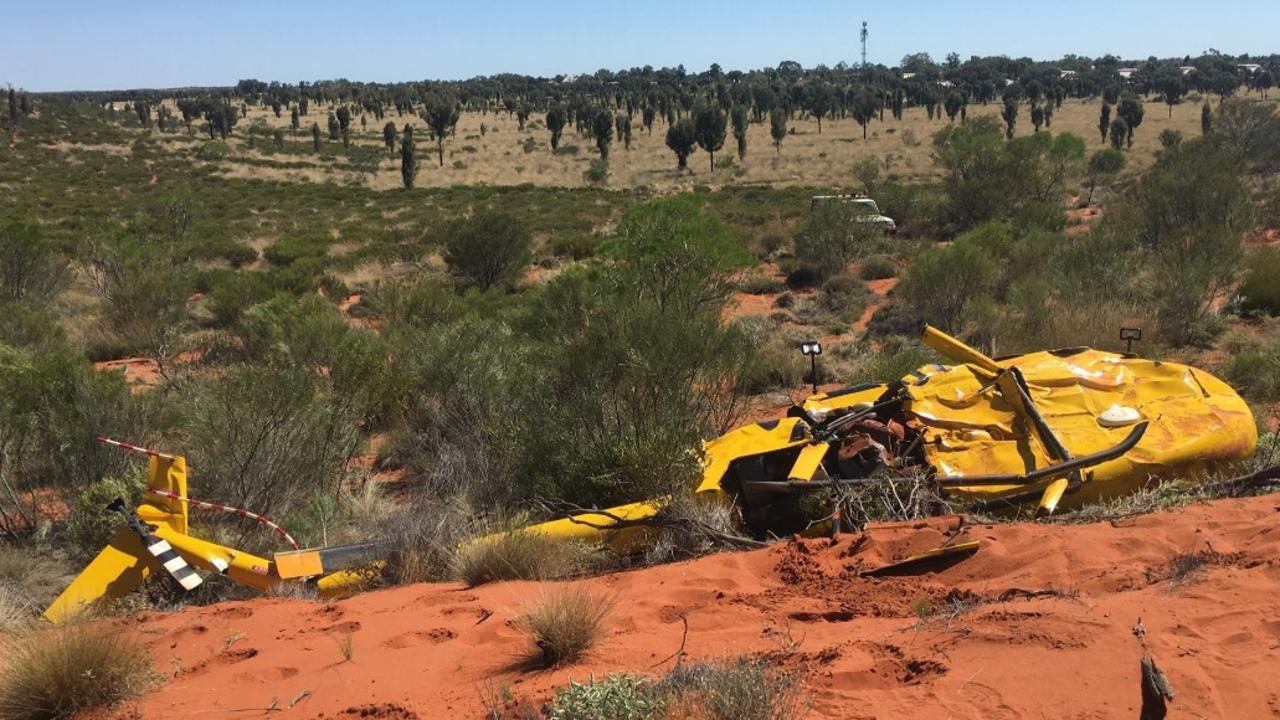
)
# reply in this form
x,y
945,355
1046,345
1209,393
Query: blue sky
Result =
x,y
94,45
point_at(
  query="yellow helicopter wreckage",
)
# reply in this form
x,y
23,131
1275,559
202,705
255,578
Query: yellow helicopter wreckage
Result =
x,y
1056,428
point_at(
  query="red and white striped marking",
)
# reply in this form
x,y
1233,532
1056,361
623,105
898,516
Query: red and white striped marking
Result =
x,y
133,448
197,503
227,509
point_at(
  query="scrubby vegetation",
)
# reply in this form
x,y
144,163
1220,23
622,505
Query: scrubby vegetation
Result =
x,y
484,347
59,673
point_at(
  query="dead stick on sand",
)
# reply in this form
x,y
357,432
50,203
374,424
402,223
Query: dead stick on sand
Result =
x,y
679,653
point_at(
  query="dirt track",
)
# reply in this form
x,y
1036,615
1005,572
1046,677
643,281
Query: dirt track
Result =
x,y
430,651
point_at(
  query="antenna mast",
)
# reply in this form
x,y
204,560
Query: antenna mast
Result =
x,y
864,44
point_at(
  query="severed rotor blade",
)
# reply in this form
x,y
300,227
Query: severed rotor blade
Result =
x,y
160,549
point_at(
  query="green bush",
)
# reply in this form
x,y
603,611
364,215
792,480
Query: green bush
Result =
x,y
614,697
877,267
578,246
757,284
490,249
91,525
1260,291
834,236
212,150
289,250
597,172
845,297
232,292
740,689
1253,369
943,285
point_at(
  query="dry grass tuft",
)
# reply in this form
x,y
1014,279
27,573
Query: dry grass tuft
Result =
x,y
565,623
519,555
740,689
64,671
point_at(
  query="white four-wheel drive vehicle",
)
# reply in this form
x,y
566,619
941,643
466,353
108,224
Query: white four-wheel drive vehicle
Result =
x,y
866,210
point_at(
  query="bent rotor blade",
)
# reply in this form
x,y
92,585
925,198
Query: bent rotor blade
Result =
x,y
172,562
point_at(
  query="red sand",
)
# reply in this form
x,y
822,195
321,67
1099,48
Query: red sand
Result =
x,y
430,651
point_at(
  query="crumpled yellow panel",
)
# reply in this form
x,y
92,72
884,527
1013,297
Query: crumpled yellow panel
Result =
x,y
1196,420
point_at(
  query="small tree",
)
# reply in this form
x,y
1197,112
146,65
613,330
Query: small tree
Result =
x,y
1103,165
344,118
624,122
710,124
864,109
1206,119
1104,121
1172,88
441,115
820,103
315,136
1119,132
602,131
1037,117
334,128
682,137
13,107
278,136
952,105
647,116
489,249
778,127
555,123
1010,116
389,137
740,120
293,120
1131,110
522,115
408,157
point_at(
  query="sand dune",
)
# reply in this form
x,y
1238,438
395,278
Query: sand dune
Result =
x,y
1039,623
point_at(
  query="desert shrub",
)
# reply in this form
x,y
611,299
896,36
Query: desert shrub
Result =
x,y
289,250
578,246
757,284
775,363
91,525
51,405
899,358
632,365
23,324
803,276
614,697
845,297
877,267
1190,239
1253,368
239,254
565,623
515,555
739,689
66,671
785,300
833,236
492,248
943,284
231,293
1260,291
253,427
597,172
306,330
31,268
419,302
212,150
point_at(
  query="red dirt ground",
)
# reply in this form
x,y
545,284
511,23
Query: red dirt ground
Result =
x,y
1052,634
